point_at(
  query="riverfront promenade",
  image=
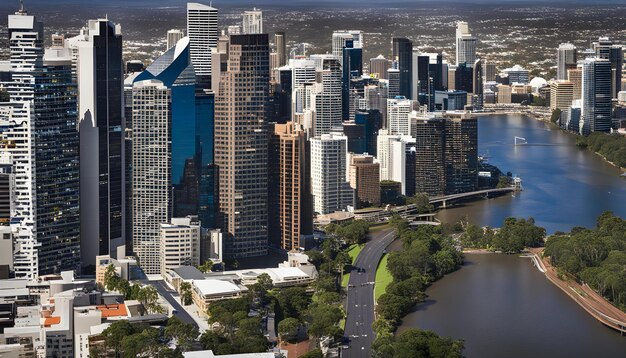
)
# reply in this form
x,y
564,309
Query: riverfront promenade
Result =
x,y
596,305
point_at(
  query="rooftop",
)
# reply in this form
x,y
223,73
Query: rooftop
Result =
x,y
214,287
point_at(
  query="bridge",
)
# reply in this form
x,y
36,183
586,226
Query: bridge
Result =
x,y
443,200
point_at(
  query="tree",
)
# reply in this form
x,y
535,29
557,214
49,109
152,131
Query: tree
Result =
x,y
206,266
421,202
293,301
288,329
111,280
184,333
556,116
419,343
211,340
186,295
114,334
147,343
148,296
322,318
265,281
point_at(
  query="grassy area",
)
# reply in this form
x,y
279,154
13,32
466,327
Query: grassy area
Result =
x,y
383,277
353,251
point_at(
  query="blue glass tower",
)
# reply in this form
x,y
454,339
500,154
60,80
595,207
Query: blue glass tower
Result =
x,y
352,66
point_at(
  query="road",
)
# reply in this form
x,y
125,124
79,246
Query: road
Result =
x,y
360,301
167,294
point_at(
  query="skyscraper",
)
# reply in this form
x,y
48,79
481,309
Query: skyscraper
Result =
x,y
403,54
565,60
329,180
173,36
465,45
364,177
326,97
461,153
605,49
294,195
596,95
252,22
203,35
281,48
339,39
40,122
398,110
152,171
191,115
429,136
561,95
101,132
352,67
241,146
379,66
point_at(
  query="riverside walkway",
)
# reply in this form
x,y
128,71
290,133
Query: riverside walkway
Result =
x,y
592,302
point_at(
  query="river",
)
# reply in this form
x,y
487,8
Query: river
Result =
x,y
501,305
564,185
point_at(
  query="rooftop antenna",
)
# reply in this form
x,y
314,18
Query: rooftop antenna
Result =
x,y
22,11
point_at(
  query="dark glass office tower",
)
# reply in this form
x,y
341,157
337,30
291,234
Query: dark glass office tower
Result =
x,y
372,120
464,78
596,95
352,67
205,121
429,156
56,160
241,146
461,154
402,49
100,71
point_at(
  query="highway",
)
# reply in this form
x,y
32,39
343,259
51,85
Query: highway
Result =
x,y
360,301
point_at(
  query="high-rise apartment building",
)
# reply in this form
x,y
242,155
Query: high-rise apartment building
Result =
x,y
575,76
398,110
364,177
460,153
565,60
203,34
173,36
241,146
429,134
561,95
151,168
252,22
403,56
293,179
379,66
327,97
40,123
329,180
596,95
102,172
179,243
465,45
281,48
491,71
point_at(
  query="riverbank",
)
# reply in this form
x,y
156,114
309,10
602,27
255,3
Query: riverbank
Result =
x,y
543,118
597,306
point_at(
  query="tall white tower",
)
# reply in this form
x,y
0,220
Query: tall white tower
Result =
x,y
253,22
203,35
465,45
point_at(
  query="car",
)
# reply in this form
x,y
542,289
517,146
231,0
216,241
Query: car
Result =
x,y
174,311
351,285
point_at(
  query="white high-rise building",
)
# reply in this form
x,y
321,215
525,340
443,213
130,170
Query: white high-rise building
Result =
x,y
326,96
252,22
303,75
399,149
339,41
152,160
329,181
203,34
565,60
179,243
173,36
465,45
384,152
398,110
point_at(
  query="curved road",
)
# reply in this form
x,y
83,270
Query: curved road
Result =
x,y
360,301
